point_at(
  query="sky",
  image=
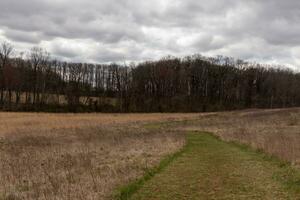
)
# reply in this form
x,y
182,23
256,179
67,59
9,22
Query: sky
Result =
x,y
101,31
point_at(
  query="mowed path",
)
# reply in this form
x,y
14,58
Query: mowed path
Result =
x,y
212,169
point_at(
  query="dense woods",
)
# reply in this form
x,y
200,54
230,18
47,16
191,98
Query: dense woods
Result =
x,y
36,82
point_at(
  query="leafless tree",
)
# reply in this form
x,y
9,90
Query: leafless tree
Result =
x,y
6,50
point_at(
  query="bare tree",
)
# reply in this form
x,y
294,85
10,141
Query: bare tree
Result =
x,y
191,84
6,50
39,58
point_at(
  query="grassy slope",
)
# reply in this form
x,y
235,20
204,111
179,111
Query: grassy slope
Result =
x,y
212,169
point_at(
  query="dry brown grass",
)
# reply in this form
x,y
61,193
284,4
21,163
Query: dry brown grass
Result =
x,y
87,156
21,123
276,132
79,156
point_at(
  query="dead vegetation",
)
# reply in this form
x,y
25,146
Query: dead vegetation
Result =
x,y
86,156
276,132
39,123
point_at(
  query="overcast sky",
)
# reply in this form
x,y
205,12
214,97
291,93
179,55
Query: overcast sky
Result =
x,y
135,30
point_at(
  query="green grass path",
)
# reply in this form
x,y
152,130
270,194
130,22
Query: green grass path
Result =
x,y
209,168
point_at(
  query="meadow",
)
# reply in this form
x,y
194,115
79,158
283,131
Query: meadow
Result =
x,y
79,156
90,156
276,132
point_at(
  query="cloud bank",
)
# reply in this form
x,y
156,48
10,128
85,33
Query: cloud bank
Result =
x,y
134,30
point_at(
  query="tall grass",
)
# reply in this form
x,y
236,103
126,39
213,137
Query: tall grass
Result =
x,y
87,156
78,156
276,132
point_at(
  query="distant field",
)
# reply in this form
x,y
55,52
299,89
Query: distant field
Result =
x,y
89,156
60,99
36,123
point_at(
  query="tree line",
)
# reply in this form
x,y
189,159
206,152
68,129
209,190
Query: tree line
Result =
x,y
36,82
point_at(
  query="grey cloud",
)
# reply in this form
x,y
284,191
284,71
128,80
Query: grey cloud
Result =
x,y
136,30
62,51
21,36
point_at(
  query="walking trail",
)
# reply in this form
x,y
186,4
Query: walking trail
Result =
x,y
208,168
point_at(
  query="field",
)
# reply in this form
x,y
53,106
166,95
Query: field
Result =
x,y
84,156
276,131
55,99
90,156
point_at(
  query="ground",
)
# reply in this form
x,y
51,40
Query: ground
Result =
x,y
211,169
92,156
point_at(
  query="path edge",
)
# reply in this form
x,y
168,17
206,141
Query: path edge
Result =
x,y
125,192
